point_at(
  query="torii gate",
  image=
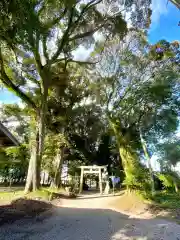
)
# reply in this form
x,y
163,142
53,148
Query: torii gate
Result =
x,y
92,170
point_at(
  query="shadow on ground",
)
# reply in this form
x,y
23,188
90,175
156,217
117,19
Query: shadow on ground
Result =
x,y
22,208
89,224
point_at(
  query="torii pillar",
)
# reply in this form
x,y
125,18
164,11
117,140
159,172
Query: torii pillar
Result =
x,y
92,170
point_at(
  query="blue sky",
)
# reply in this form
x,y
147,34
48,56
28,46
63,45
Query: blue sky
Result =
x,y
7,97
165,19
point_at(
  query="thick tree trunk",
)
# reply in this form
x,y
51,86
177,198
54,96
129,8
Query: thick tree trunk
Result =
x,y
176,186
28,186
129,157
34,170
41,129
31,175
36,177
144,146
59,162
130,162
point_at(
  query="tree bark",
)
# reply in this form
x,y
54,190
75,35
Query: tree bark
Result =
x,y
37,144
129,157
34,170
31,175
41,129
130,161
176,186
144,146
59,162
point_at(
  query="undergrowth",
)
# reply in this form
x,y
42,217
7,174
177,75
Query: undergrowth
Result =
x,y
163,199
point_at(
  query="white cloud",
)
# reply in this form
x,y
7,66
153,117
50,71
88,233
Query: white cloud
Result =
x,y
159,7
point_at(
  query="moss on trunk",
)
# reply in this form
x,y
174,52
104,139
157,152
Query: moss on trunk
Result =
x,y
134,171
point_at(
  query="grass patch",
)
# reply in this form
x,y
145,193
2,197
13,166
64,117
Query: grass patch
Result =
x,y
9,196
41,194
167,200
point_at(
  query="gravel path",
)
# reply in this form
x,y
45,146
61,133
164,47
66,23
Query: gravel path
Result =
x,y
79,220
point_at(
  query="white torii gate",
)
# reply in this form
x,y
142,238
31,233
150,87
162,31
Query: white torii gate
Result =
x,y
92,170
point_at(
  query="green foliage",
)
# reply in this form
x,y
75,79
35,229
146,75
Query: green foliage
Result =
x,y
17,118
14,163
169,180
164,50
169,153
73,167
36,54
131,89
3,156
84,130
167,200
53,146
137,94
18,153
138,179
21,39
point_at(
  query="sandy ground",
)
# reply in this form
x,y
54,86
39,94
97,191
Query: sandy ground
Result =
x,y
88,218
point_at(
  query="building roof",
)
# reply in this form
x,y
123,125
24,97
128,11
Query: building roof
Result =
x,y
6,138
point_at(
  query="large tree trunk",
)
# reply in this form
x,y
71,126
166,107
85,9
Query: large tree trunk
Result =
x,y
128,155
59,162
130,163
176,186
31,175
34,170
144,146
41,129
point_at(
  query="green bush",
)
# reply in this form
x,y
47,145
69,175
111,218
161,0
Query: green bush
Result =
x,y
73,168
138,179
166,180
167,200
169,180
14,163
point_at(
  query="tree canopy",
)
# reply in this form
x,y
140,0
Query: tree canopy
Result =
x,y
95,109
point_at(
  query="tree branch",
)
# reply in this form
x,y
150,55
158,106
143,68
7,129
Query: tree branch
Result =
x,y
85,9
81,62
64,38
71,60
137,122
58,60
56,20
9,84
36,52
45,48
110,96
86,34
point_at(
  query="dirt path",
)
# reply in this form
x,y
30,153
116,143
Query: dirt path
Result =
x,y
86,219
